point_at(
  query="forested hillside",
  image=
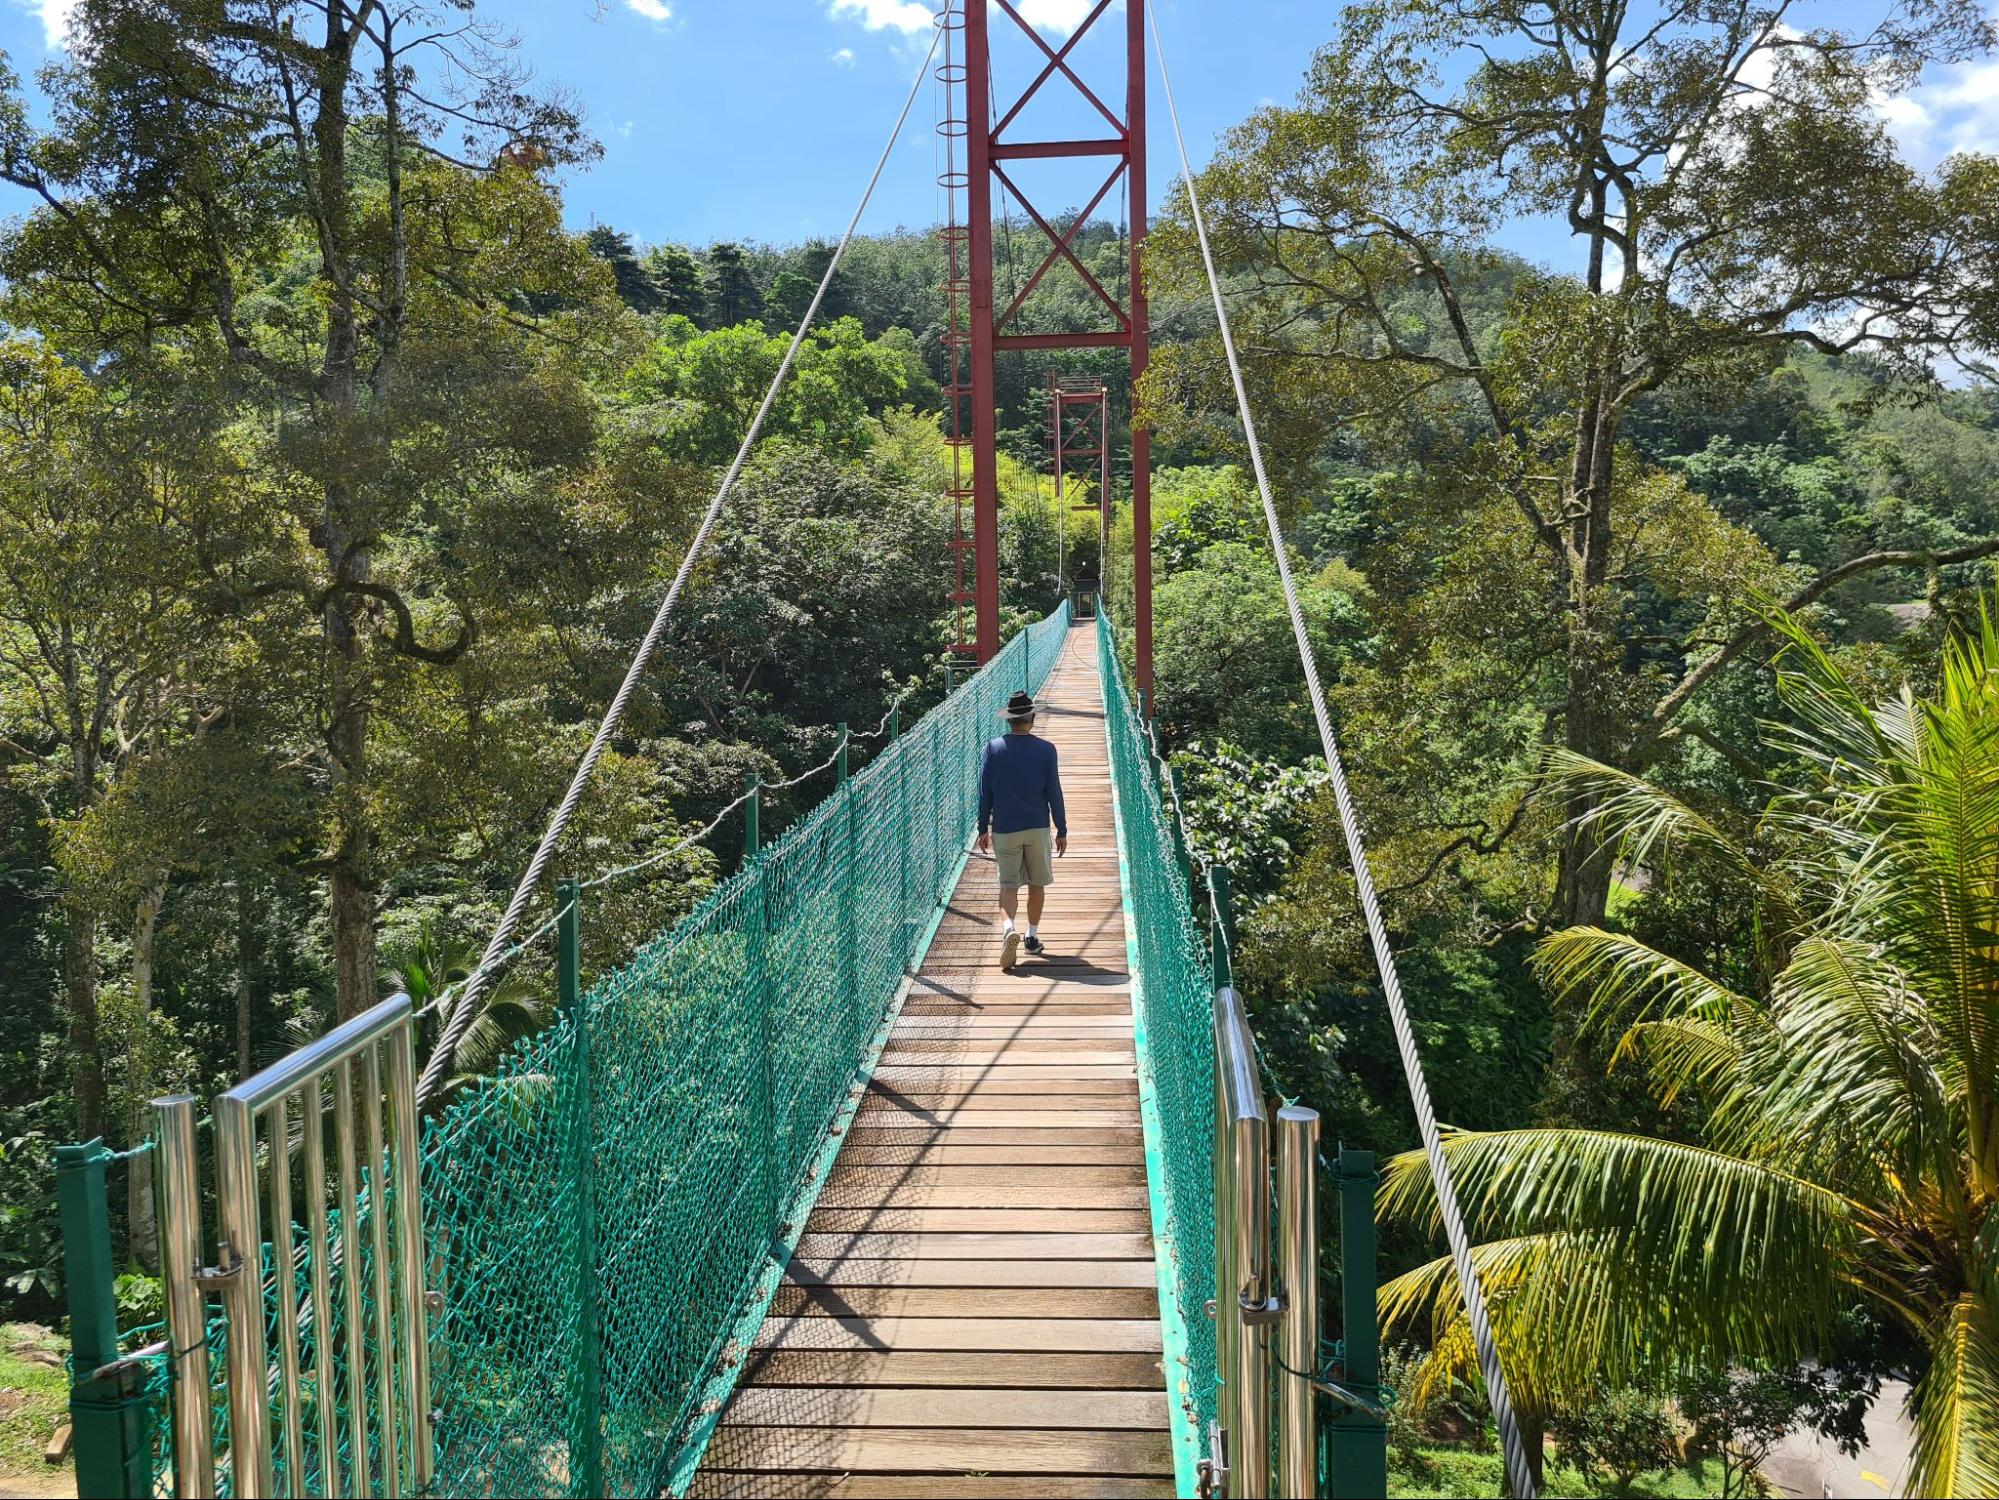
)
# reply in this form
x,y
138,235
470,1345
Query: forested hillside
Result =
x,y
333,502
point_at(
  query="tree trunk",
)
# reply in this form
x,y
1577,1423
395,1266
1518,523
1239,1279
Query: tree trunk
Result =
x,y
1594,665
85,1051
246,983
350,887
144,1232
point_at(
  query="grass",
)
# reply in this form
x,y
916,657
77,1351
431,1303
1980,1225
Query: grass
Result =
x,y
1459,1472
34,1395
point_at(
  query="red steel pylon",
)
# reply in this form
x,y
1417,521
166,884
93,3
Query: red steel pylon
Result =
x,y
953,179
989,150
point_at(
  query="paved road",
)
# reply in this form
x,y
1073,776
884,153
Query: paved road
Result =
x,y
1808,1465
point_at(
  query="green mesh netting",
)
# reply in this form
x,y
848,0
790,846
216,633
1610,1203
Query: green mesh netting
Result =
x,y
599,1212
1177,985
716,1062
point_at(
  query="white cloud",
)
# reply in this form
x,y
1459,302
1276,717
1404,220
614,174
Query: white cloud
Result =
x,y
1062,16
652,10
911,18
56,16
843,58
906,16
1953,108
625,129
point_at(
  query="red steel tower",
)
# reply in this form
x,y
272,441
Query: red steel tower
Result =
x,y
991,149
1079,434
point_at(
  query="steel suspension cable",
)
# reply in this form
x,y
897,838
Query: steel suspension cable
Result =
x,y
437,1071
1518,1473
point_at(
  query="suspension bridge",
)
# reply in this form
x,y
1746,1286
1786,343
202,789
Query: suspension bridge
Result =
x,y
808,1198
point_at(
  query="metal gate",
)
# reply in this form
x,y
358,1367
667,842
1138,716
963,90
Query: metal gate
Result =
x,y
326,1351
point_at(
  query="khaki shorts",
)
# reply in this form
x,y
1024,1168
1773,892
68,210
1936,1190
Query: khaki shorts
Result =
x,y
1025,858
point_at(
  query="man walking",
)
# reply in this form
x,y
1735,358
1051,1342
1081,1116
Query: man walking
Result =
x,y
1020,788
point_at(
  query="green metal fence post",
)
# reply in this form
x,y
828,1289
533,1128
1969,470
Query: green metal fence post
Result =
x,y
1177,830
1357,1440
109,1420
756,940
586,1435
850,937
1221,933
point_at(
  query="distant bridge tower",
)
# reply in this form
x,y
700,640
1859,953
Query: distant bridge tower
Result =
x,y
994,158
1079,439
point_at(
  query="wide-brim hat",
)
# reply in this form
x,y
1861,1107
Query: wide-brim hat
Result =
x,y
1019,706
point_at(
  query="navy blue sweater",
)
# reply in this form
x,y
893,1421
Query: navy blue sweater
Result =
x,y
1020,785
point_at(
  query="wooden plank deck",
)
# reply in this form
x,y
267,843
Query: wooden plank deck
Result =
x,y
972,1309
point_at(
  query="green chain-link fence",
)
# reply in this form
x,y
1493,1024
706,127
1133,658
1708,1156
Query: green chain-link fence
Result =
x,y
674,1117
601,1212
1177,985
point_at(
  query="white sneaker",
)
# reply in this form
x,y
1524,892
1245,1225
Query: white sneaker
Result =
x,y
1010,948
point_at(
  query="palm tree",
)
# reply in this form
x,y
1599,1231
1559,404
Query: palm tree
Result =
x,y
1850,1150
428,963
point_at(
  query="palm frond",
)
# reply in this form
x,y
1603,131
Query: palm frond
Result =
x,y
1629,981
1648,824
1854,1069
1683,1243
1680,1053
1957,1405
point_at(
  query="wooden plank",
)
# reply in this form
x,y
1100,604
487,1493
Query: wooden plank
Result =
x,y
1064,1113
954,1192
950,1154
922,1450
1120,1091
953,1271
861,1137
926,1221
964,1302
939,1079
973,1308
1051,1335
1013,1028
893,1406
966,1057
818,1246
1041,1045
1055,1181
733,1484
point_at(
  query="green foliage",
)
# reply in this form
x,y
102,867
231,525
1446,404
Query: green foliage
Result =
x,y
1246,813
1617,1436
636,287
141,1299
1848,1106
728,289
1741,1415
30,1231
699,391
1227,660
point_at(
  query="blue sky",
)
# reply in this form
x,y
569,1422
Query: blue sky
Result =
x,y
760,119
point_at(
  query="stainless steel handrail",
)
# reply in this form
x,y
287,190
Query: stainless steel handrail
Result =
x,y
1261,1297
315,1059
368,1065
1242,1250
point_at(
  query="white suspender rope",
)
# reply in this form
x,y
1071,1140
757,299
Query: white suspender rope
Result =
x,y
1517,1471
438,1069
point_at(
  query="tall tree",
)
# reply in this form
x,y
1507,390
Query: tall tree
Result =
x,y
731,290
677,274
97,639
636,288
268,185
1731,193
